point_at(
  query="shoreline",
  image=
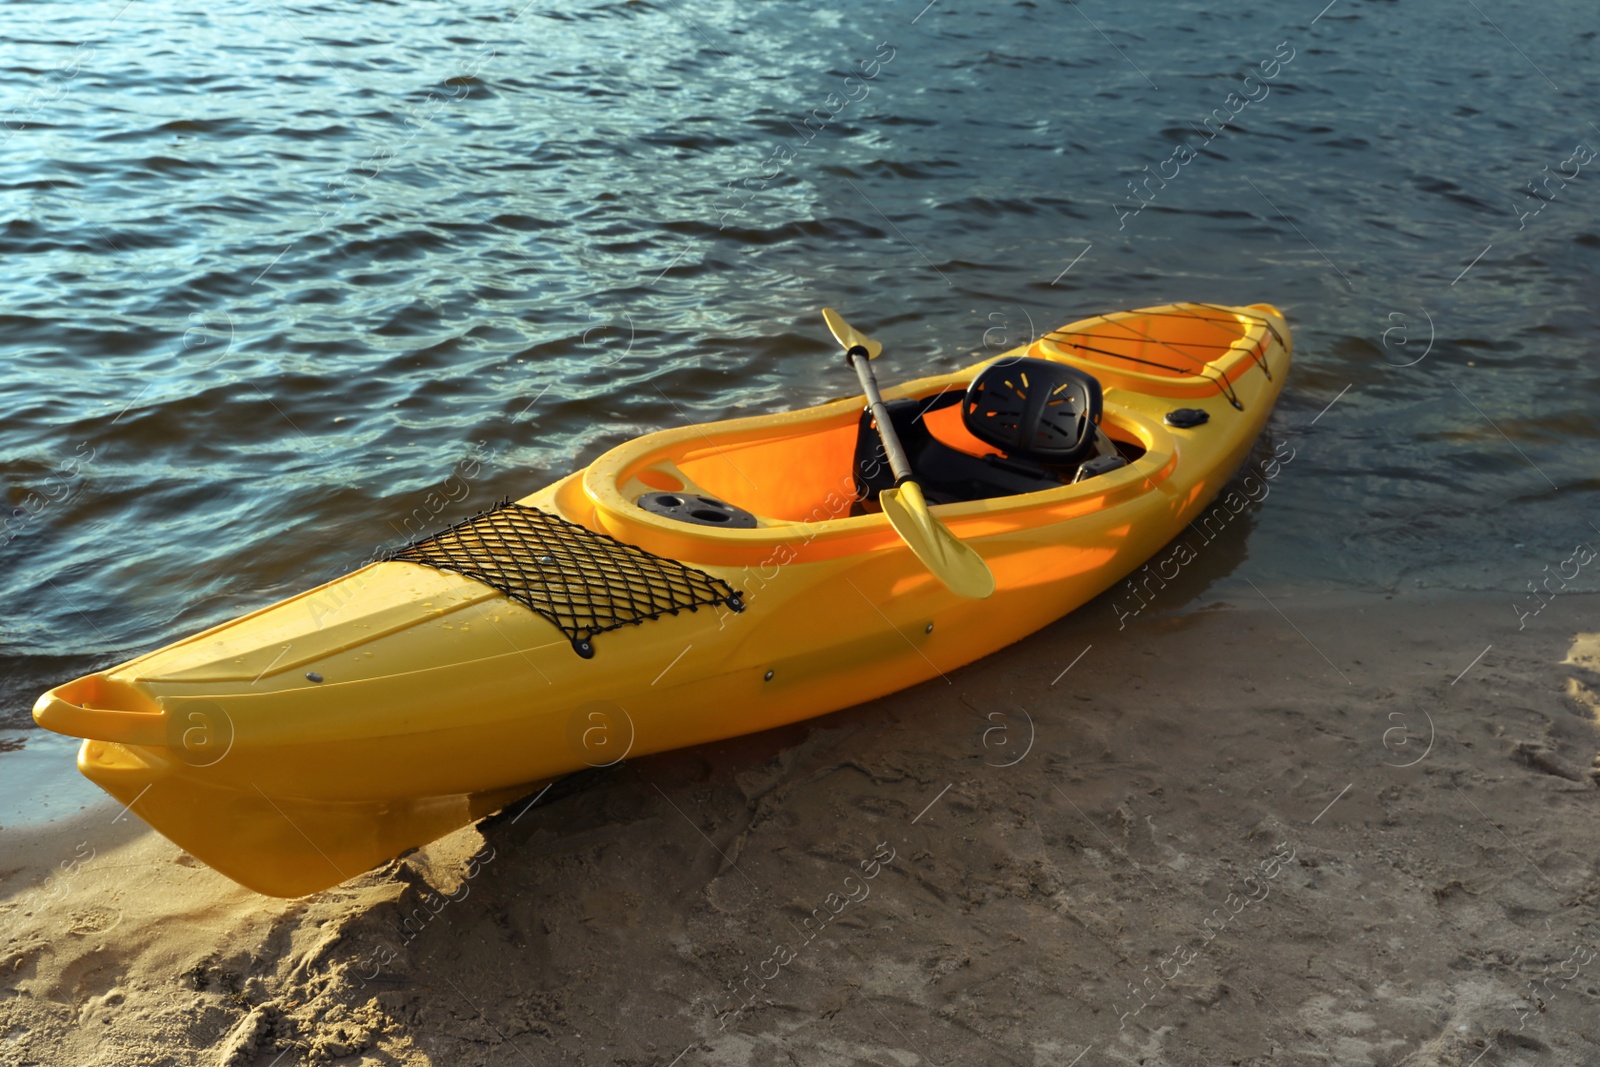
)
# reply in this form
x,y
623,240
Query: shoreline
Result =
x,y
1069,837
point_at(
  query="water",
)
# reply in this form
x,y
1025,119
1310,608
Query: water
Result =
x,y
274,273
41,786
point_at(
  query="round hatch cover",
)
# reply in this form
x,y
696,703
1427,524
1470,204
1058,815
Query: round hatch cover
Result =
x,y
697,509
1187,418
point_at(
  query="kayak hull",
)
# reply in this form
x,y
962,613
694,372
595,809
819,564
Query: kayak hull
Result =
x,y
309,741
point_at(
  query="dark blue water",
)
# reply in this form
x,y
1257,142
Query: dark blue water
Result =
x,y
277,274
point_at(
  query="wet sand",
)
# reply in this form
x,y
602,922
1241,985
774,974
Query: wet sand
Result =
x,y
1297,831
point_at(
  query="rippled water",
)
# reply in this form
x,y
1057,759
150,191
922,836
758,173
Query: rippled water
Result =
x,y
274,273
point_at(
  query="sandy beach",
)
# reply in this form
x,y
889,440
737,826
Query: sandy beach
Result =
x,y
1304,830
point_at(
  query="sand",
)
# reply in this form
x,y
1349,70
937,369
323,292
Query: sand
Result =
x,y
1310,831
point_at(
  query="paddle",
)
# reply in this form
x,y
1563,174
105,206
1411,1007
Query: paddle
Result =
x,y
948,559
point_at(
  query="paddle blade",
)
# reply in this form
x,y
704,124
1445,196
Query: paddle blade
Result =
x,y
848,336
953,563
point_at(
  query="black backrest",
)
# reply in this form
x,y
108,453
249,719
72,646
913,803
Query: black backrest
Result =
x,y
1034,409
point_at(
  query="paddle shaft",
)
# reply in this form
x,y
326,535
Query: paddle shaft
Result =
x,y
880,414
951,561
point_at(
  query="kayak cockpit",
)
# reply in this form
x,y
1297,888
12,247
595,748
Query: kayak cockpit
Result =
x,y
826,464
731,491
959,439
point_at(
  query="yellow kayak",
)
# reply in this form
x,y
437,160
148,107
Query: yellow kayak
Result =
x,y
691,585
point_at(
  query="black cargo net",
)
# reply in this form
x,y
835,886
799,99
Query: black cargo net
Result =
x,y
584,582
